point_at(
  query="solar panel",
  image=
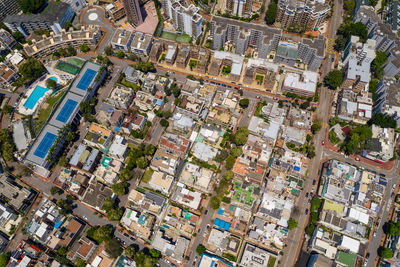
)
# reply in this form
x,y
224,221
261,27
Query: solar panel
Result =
x,y
45,145
66,110
86,79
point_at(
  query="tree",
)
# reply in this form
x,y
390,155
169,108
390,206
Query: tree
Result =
x,y
142,163
119,188
120,54
164,123
240,137
108,51
200,249
108,204
230,162
316,126
144,66
155,253
84,48
236,152
385,253
149,149
4,258
372,2
71,51
334,79
7,109
31,69
244,102
292,223
349,5
31,6
383,120
214,202
333,138
125,174
70,136
19,37
270,15
62,161
50,83
377,64
56,190
103,233
130,252
392,228
113,248
65,205
80,263
144,260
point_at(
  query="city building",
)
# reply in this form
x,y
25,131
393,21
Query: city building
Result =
x,y
121,97
116,10
391,15
89,36
243,34
174,144
197,177
7,76
382,143
172,248
96,194
161,182
388,101
77,5
133,12
241,8
166,162
187,198
7,40
141,43
357,63
303,84
186,18
53,18
8,7
309,14
255,256
122,39
17,196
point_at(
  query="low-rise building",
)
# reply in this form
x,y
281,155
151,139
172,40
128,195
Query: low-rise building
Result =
x,y
83,248
255,256
382,144
7,76
166,162
140,223
16,195
197,177
85,158
187,198
141,43
99,137
96,194
174,249
174,144
121,97
172,51
108,170
122,39
161,182
303,84
147,201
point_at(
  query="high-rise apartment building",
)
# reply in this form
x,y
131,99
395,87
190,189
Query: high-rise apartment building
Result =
x,y
133,13
8,7
357,61
241,8
53,17
186,19
307,13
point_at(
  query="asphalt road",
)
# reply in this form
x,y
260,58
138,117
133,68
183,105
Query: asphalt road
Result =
x,y
295,238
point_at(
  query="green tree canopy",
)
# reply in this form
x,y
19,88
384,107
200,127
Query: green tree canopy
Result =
x,y
383,120
130,252
120,54
103,233
50,83
240,137
200,249
113,248
84,48
7,109
349,5
292,223
32,69
272,11
119,188
334,79
244,102
385,253
31,6
4,258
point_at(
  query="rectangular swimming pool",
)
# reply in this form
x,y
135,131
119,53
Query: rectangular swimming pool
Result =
x,y
36,94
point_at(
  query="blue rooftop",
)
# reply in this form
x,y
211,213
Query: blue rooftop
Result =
x,y
66,110
222,224
86,79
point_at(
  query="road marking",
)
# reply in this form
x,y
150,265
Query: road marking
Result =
x,y
329,46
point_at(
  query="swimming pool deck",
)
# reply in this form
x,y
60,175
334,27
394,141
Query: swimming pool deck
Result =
x,y
41,82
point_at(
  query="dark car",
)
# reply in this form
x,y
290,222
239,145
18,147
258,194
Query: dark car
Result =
x,y
314,182
306,211
206,212
367,256
306,194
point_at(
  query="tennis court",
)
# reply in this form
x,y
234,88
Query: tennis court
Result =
x,y
66,110
86,79
66,67
75,61
45,145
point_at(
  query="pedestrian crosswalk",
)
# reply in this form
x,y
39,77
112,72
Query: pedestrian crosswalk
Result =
x,y
329,46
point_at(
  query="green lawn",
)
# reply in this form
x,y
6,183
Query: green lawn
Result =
x,y
271,261
147,176
44,114
181,38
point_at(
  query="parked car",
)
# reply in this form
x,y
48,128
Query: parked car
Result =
x,y
306,194
314,182
306,211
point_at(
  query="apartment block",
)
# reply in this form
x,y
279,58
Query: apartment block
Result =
x,y
186,18
122,39
357,63
8,7
241,8
53,18
388,101
307,13
90,36
133,12
141,43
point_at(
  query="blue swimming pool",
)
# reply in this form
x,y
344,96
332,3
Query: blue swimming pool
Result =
x,y
37,93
